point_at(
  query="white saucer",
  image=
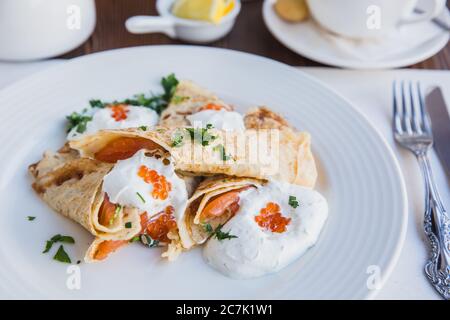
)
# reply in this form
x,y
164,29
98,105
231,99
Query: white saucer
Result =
x,y
310,41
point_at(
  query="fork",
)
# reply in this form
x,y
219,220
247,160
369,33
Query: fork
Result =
x,y
412,130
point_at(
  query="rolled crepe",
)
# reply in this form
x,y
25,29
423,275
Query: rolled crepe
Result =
x,y
193,229
72,186
282,155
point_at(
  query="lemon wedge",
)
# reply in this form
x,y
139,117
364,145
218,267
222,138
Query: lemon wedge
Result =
x,y
206,10
229,6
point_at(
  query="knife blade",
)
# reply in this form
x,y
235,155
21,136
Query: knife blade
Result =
x,y
440,125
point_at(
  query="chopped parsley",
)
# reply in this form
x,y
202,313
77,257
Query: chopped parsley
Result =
x,y
61,255
218,233
201,135
143,128
177,140
221,149
178,99
31,218
169,84
140,197
55,239
293,202
95,103
78,121
155,102
208,228
149,241
128,225
135,239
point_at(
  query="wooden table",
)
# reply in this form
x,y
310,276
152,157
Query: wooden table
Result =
x,y
249,34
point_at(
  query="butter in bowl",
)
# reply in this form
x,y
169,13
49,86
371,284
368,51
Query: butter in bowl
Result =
x,y
195,21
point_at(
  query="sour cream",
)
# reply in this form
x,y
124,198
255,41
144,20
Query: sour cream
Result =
x,y
105,118
220,119
258,251
125,186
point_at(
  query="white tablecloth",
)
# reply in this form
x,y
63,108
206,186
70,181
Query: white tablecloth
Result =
x,y
370,93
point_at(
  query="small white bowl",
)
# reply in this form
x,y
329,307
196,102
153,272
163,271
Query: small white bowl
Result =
x,y
185,29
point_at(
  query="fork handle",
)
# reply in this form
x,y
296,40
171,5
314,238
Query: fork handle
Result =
x,y
437,229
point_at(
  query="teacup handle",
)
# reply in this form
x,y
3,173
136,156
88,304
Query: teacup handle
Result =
x,y
151,24
438,6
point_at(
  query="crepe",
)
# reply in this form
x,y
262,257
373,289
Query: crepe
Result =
x,y
72,187
192,230
282,155
188,99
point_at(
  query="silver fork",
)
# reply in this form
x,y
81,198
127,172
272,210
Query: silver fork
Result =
x,y
412,130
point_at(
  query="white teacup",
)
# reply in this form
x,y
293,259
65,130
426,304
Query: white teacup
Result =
x,y
369,18
37,29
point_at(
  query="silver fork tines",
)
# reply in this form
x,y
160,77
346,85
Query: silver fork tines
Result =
x,y
411,122
412,130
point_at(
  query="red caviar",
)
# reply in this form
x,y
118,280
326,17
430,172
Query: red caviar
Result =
x,y
159,227
161,187
271,219
119,112
212,106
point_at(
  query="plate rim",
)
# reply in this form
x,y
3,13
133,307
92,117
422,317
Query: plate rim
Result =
x,y
392,262
348,63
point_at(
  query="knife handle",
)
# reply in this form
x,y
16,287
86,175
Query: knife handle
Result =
x,y
437,229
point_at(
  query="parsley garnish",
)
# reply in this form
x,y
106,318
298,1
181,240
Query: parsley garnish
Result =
x,y
169,84
293,202
149,241
155,102
30,218
128,225
78,121
95,103
61,255
55,239
221,149
218,233
208,228
177,140
143,128
141,197
178,99
134,239
201,135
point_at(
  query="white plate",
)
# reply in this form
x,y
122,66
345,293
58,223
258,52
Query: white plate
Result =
x,y
358,174
306,40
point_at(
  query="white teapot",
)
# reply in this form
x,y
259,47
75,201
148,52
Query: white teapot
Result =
x,y
38,29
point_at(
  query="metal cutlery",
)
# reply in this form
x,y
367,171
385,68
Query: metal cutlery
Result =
x,y
412,130
440,121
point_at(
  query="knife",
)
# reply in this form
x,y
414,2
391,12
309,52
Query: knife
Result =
x,y
440,125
